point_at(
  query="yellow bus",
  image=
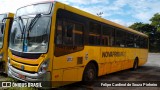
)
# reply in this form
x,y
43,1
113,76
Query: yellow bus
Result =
x,y
51,41
5,26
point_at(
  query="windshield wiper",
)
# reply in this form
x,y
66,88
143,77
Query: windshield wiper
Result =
x,y
33,21
22,27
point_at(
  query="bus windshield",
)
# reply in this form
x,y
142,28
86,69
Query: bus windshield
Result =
x,y
43,8
30,29
1,31
35,39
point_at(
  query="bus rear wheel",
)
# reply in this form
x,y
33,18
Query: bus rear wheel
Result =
x,y
135,65
89,73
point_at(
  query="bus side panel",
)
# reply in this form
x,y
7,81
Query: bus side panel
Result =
x,y
93,53
57,78
119,59
124,61
129,57
132,57
4,49
143,56
69,64
106,60
112,62
5,45
70,75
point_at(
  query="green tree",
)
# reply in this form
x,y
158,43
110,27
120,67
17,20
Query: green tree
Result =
x,y
152,30
137,26
155,21
144,28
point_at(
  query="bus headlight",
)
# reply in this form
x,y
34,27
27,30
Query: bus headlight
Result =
x,y
43,67
1,56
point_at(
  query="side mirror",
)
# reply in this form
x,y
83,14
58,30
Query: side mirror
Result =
x,y
3,24
2,27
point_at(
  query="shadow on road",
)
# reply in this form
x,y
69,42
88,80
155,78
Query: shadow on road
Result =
x,y
143,73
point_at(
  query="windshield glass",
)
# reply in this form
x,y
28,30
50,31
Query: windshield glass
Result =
x,y
2,16
34,40
44,8
1,31
16,36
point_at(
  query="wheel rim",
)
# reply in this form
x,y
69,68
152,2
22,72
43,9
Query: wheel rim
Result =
x,y
91,74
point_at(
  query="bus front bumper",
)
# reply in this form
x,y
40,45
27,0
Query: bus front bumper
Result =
x,y
25,76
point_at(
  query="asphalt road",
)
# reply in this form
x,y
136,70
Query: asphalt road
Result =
x,y
148,72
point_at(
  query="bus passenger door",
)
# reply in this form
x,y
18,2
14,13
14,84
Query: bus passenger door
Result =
x,y
69,44
105,50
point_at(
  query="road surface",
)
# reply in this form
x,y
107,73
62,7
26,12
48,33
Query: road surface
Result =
x,y
148,72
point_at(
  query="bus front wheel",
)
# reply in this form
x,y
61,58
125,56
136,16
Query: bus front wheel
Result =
x,y
89,73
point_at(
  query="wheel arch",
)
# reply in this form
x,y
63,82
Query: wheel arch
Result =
x,y
94,62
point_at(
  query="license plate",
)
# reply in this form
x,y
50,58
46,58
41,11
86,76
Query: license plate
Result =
x,y
21,76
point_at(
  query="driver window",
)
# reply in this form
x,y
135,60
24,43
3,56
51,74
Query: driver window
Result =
x,y
69,27
69,37
59,32
1,27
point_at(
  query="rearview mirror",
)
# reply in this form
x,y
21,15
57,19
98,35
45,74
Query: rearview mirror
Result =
x,y
2,27
2,24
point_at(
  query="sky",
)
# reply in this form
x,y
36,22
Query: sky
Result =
x,y
124,12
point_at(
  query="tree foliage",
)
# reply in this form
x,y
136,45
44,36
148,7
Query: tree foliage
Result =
x,y
144,28
155,21
152,30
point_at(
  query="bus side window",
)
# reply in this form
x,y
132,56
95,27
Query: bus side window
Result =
x,y
59,32
130,40
136,41
105,36
74,33
69,29
68,33
94,33
143,42
120,38
78,33
146,43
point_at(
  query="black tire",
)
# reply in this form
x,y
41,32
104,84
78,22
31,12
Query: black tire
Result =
x,y
135,65
90,73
